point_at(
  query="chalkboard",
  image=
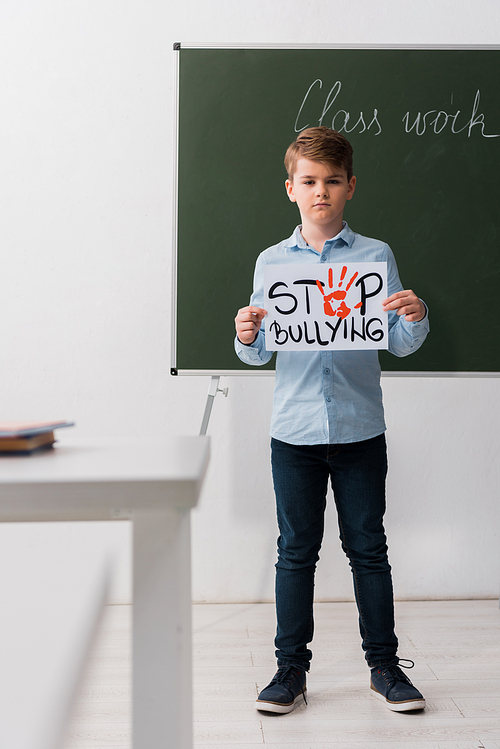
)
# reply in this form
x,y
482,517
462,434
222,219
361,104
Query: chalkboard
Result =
x,y
425,127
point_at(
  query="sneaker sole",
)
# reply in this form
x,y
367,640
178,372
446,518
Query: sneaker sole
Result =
x,y
399,706
279,707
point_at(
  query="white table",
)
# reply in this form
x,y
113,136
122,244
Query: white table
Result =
x,y
154,485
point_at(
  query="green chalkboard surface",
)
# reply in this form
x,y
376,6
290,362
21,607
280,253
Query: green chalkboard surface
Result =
x,y
425,127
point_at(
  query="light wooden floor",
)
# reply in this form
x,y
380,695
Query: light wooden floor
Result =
x,y
455,645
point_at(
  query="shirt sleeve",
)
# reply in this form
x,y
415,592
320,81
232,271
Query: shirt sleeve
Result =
x,y
256,353
404,337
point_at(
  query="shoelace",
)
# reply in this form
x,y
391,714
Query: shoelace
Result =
x,y
394,672
287,676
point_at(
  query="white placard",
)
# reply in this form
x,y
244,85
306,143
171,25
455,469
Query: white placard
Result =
x,y
321,307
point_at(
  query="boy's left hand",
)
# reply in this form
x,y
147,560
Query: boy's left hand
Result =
x,y
405,303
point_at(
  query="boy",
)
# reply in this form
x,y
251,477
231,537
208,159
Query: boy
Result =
x,y
328,422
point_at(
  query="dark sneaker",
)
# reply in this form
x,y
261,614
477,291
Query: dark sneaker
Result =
x,y
286,691
391,685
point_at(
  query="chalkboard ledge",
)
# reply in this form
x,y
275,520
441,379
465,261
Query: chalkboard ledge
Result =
x,y
271,372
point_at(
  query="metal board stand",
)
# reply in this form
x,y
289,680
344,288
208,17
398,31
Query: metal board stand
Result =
x,y
212,392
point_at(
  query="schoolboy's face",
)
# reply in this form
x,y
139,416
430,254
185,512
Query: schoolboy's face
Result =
x,y
321,192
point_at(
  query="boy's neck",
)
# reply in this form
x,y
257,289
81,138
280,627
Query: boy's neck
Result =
x,y
316,236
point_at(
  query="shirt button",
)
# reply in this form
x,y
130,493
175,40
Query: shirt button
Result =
x,y
328,399
327,371
323,259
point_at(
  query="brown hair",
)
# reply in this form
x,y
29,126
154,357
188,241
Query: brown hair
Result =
x,y
320,144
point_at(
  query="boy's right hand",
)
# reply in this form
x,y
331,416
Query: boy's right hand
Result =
x,y
248,322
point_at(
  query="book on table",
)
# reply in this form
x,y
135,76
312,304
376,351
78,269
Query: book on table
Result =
x,y
26,437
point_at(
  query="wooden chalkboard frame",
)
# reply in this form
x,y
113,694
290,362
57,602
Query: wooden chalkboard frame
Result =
x,y
177,367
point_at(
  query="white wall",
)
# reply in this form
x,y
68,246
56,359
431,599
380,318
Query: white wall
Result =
x,y
85,200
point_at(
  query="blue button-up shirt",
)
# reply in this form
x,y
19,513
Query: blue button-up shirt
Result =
x,y
330,397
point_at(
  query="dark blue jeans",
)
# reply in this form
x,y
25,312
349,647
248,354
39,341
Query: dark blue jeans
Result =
x,y
357,472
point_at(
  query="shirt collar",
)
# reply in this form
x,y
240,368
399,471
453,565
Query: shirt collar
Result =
x,y
297,241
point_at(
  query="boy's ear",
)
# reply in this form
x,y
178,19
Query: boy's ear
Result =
x,y
289,190
351,187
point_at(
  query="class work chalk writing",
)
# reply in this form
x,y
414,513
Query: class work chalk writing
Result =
x,y
332,113
337,120
321,307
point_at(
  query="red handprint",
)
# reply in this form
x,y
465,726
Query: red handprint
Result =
x,y
342,310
